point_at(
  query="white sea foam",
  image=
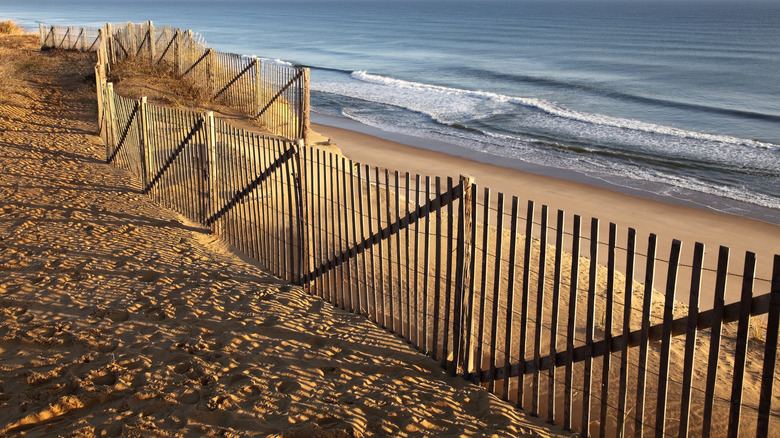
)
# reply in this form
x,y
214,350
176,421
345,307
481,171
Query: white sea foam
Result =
x,y
542,105
646,142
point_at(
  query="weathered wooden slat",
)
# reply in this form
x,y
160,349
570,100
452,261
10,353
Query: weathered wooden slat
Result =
x,y
338,236
540,305
380,261
346,269
335,229
568,391
740,353
354,297
608,314
462,307
448,281
470,312
390,230
496,289
690,339
529,226
408,267
437,279
770,353
322,236
398,267
589,326
647,305
426,266
666,339
510,294
483,284
416,289
556,296
715,333
374,286
258,223
627,311
363,306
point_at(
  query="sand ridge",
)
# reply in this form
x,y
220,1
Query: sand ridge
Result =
x,y
120,318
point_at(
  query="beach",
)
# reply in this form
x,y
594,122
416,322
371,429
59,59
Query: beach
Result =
x,y
124,318
668,221
121,318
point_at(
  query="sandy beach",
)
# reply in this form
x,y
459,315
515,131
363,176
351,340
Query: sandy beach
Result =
x,y
668,221
120,318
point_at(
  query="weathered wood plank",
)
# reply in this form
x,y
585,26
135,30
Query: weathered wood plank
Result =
x,y
715,333
608,314
510,294
496,289
647,305
556,296
740,353
770,353
529,226
690,339
589,326
571,326
666,339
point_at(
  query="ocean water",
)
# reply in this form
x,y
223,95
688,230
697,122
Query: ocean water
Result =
x,y
675,100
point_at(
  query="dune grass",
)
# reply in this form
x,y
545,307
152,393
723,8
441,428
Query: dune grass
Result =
x,y
9,27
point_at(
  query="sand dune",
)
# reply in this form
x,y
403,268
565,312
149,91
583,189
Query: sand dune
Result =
x,y
120,318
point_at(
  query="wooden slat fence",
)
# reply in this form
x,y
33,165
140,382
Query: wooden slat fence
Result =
x,y
589,325
274,92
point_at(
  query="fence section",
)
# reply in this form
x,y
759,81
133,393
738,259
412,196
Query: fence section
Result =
x,y
587,325
276,93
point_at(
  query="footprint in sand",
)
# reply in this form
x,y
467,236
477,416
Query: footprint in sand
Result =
x,y
288,387
103,377
270,321
118,315
107,347
239,380
189,396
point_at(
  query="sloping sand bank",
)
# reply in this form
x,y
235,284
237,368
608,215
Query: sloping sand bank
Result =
x,y
119,318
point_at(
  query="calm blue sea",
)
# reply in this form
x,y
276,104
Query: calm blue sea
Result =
x,y
673,99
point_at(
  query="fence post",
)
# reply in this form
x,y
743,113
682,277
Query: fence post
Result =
x,y
177,52
305,107
143,141
257,88
188,56
211,167
464,317
100,85
210,74
42,34
110,45
305,259
770,353
151,43
110,133
71,38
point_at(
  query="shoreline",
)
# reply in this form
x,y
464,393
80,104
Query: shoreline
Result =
x,y
702,201
668,221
